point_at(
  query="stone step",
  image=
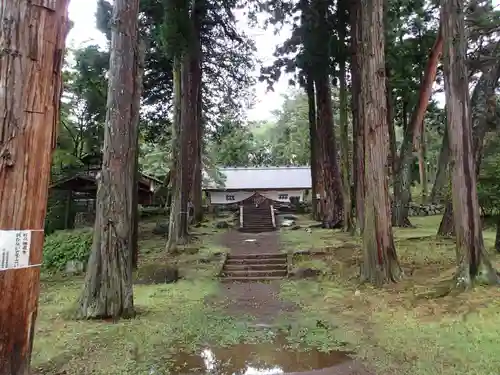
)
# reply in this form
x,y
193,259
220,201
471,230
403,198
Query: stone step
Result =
x,y
257,230
246,273
257,256
255,267
255,261
250,279
257,224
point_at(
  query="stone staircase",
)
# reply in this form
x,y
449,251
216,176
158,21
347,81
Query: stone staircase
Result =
x,y
254,267
258,219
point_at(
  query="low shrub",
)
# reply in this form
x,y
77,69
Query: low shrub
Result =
x,y
63,246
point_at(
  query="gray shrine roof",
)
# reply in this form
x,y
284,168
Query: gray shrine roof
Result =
x,y
272,178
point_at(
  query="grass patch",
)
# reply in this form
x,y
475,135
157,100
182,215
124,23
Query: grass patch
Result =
x,y
174,318
394,328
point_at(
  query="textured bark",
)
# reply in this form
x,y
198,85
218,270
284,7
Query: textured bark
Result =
x,y
195,123
175,169
331,195
438,188
197,191
312,143
380,263
390,122
472,261
480,105
32,38
357,115
412,135
344,126
108,283
138,72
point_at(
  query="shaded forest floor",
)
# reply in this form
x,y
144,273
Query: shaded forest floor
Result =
x,y
398,329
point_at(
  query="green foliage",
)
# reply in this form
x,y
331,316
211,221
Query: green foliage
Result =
x,y
63,246
489,179
175,31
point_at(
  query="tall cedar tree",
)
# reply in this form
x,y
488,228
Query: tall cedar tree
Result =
x,y
472,261
480,104
380,261
177,39
32,42
358,154
342,19
108,284
413,135
328,169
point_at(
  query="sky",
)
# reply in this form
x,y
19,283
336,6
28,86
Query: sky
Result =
x,y
82,13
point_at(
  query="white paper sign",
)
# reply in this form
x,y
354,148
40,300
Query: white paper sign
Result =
x,y
14,249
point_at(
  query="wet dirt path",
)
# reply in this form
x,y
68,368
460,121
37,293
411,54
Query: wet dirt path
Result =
x,y
262,301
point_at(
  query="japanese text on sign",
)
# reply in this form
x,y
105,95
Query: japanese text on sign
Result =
x,y
14,249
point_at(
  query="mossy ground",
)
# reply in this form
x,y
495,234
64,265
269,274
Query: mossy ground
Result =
x,y
398,329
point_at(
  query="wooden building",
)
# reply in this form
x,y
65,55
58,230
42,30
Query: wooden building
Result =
x,y
278,184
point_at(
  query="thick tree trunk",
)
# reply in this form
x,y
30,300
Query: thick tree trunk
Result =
x,y
357,116
331,196
108,283
312,144
438,192
412,135
175,169
483,91
32,44
138,72
472,261
380,263
197,191
344,126
196,121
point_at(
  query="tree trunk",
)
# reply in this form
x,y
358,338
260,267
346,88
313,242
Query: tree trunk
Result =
x,y
196,121
380,263
422,167
438,192
312,143
497,236
175,170
472,261
483,91
390,122
108,283
412,135
357,116
138,72
198,178
331,196
344,126
32,41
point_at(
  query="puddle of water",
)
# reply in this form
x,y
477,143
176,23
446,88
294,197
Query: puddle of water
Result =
x,y
255,359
